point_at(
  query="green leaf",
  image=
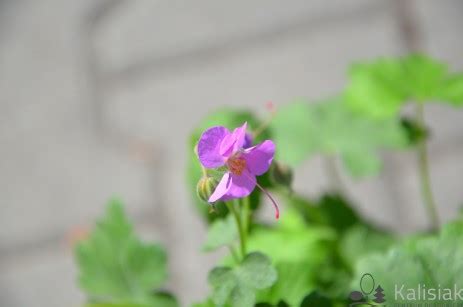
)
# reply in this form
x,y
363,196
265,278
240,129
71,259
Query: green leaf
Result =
x,y
297,252
361,163
155,300
376,88
306,208
301,130
231,119
206,303
451,90
256,271
315,299
291,128
415,131
355,237
331,210
281,175
279,304
433,261
338,213
114,305
161,298
423,76
291,240
115,266
238,285
361,240
223,232
380,88
294,280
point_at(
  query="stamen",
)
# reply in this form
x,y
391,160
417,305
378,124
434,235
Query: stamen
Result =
x,y
277,210
232,165
236,165
270,107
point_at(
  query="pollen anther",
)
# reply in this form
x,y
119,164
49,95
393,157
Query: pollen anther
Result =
x,y
236,165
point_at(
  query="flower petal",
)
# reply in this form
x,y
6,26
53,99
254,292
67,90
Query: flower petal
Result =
x,y
233,141
241,185
233,186
209,146
259,158
221,189
247,140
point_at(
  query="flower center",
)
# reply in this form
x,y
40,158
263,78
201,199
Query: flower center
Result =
x,y
236,165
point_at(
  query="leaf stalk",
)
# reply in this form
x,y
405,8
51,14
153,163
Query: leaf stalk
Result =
x,y
424,173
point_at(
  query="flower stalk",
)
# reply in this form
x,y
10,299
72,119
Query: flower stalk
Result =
x,y
234,254
247,214
239,224
423,169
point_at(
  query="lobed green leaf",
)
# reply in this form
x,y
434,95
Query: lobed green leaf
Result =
x,y
238,285
222,232
115,266
301,130
433,261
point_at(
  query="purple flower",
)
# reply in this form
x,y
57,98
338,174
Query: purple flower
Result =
x,y
218,147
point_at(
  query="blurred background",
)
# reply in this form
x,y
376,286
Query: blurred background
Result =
x,y
98,99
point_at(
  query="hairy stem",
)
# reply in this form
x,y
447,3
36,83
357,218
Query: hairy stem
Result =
x,y
423,168
239,224
246,215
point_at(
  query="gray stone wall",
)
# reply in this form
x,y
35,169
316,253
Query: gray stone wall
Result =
x,y
97,99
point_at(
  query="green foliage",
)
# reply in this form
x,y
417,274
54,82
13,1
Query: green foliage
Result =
x,y
279,304
431,260
337,212
155,300
354,237
302,130
423,76
451,90
118,269
361,240
207,303
222,232
228,118
298,240
295,278
415,131
376,88
281,175
331,210
297,252
315,299
381,88
239,285
320,248
113,305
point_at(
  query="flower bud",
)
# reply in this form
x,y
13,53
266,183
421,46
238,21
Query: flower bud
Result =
x,y
281,174
205,187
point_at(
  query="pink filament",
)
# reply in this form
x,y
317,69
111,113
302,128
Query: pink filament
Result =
x,y
270,107
277,210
